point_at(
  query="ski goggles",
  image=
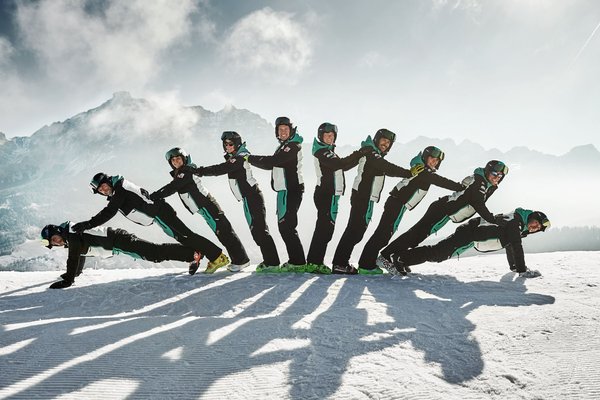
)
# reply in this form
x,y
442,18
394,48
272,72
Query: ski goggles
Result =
x,y
327,127
499,169
391,136
434,152
228,143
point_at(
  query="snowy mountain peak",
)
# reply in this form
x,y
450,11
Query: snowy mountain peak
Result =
x,y
2,138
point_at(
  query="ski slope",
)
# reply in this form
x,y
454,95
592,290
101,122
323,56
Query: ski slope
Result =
x,y
463,329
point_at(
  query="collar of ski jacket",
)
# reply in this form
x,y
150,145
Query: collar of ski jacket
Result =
x,y
294,139
114,180
479,171
418,159
524,215
317,145
183,168
241,151
368,142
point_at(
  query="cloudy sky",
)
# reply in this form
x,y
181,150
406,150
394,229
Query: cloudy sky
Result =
x,y
501,73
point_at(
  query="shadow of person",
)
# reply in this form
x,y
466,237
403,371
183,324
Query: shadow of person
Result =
x,y
286,336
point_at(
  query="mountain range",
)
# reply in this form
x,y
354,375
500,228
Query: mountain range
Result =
x,y
43,177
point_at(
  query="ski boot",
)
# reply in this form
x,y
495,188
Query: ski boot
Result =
x,y
263,268
344,270
237,267
194,265
317,269
217,263
289,267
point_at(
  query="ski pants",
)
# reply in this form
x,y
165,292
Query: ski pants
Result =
x,y
256,216
135,247
288,204
434,219
361,211
220,225
327,208
457,243
393,212
174,227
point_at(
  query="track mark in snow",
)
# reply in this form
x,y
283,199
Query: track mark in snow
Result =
x,y
15,347
148,308
307,321
90,328
106,388
19,386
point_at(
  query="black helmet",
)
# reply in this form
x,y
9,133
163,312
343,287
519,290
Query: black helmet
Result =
x,y
327,127
233,137
384,133
98,180
175,152
284,121
432,151
541,218
496,167
50,230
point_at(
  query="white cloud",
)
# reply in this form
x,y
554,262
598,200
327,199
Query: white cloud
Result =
x,y
6,51
271,43
120,46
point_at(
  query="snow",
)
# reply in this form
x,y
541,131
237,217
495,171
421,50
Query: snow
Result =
x,y
465,329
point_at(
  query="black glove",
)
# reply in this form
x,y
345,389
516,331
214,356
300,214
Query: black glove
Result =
x,y
81,226
499,220
366,150
199,171
154,197
61,284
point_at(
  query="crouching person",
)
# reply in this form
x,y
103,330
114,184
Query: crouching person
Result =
x,y
484,237
106,242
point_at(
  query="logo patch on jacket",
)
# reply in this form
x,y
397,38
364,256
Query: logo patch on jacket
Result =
x,y
286,149
232,160
180,175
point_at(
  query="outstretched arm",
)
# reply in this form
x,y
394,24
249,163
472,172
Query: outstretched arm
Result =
x,y
280,159
445,183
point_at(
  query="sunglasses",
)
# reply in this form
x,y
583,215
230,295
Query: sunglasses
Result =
x,y
497,173
228,143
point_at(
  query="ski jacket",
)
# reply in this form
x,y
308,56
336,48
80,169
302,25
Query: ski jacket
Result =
x,y
372,169
491,237
410,191
330,168
285,165
96,242
129,199
189,187
463,204
238,170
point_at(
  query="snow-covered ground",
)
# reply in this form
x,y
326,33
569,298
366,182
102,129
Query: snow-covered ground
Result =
x,y
463,329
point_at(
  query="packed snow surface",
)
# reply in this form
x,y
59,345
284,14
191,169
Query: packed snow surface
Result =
x,y
462,329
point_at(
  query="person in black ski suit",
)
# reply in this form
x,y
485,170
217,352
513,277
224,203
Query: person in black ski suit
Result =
x,y
134,203
107,242
330,186
457,207
406,195
368,184
197,199
483,236
286,180
245,189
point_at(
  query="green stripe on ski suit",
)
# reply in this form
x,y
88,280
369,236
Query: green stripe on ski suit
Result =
x,y
524,214
164,227
461,250
369,213
247,213
281,204
208,218
135,256
400,215
333,209
439,225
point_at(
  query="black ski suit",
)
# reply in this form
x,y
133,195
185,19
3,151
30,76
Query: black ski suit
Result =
x,y
245,189
93,242
457,207
406,195
368,184
482,236
330,186
196,199
286,180
133,202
